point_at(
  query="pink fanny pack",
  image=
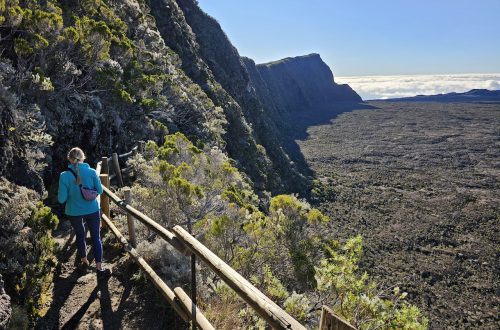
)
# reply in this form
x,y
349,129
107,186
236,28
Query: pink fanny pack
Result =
x,y
88,194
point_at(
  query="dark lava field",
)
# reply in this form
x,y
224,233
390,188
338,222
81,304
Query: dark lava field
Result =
x,y
421,183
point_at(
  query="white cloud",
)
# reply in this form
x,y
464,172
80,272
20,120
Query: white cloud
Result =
x,y
383,87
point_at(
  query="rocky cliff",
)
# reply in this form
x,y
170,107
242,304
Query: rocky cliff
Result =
x,y
5,307
254,98
103,77
298,84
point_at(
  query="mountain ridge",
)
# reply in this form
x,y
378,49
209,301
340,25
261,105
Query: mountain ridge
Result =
x,y
473,95
210,60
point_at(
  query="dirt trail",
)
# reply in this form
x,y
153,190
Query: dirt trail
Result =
x,y
80,301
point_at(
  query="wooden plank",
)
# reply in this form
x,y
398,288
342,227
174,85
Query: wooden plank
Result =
x,y
166,292
187,304
265,307
130,153
150,223
330,321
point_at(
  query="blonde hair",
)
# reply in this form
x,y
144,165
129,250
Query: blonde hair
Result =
x,y
76,154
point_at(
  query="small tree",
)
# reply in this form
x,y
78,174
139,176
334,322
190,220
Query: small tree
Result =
x,y
353,296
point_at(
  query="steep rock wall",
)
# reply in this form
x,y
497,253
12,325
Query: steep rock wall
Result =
x,y
299,83
167,61
209,58
253,97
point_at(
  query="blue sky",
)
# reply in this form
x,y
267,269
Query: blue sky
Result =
x,y
368,37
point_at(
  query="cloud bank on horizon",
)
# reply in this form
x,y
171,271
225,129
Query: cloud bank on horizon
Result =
x,y
386,87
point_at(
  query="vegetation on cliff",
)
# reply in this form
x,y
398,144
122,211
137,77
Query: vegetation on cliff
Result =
x,y
285,250
27,257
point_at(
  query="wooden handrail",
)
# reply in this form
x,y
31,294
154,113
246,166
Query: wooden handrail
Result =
x,y
150,223
157,281
187,244
266,308
134,149
330,321
187,304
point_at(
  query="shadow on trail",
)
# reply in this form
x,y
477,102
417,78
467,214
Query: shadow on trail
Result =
x,y
63,286
64,281
73,322
110,319
294,126
65,278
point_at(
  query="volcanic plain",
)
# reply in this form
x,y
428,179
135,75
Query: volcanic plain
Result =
x,y
421,183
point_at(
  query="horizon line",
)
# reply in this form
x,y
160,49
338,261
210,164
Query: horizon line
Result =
x,y
420,74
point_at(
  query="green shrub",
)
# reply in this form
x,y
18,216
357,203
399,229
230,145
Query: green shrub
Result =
x,y
357,299
27,256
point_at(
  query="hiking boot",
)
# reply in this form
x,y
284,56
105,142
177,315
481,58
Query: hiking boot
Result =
x,y
83,268
104,273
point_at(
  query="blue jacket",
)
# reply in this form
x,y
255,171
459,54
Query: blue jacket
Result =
x,y
69,191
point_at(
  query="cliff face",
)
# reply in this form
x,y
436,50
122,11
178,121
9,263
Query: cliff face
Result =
x,y
298,84
253,97
104,73
5,306
210,60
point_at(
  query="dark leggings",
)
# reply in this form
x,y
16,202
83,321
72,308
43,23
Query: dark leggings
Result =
x,y
93,222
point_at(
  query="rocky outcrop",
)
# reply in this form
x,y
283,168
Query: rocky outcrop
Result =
x,y
210,60
298,84
16,148
5,306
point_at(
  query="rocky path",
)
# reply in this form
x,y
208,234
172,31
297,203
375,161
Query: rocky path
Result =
x,y
80,301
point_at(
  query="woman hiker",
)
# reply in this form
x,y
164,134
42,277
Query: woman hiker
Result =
x,y
80,209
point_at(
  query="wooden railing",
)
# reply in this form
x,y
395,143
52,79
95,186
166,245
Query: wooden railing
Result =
x,y
186,244
111,165
330,321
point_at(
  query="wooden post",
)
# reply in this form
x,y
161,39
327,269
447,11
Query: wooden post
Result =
x,y
98,168
150,273
104,198
193,283
130,218
116,167
141,146
104,165
265,307
330,321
